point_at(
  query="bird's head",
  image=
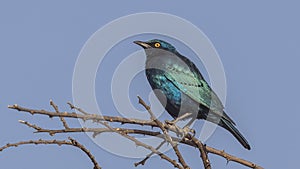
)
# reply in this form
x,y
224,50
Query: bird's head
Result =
x,y
156,44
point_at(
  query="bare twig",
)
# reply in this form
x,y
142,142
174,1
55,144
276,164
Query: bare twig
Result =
x,y
71,142
93,117
229,157
94,130
139,143
77,108
57,111
167,136
142,162
203,152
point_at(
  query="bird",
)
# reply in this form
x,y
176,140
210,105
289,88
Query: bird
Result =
x,y
181,88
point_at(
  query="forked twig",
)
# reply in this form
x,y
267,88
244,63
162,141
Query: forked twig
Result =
x,y
139,143
57,111
167,137
142,162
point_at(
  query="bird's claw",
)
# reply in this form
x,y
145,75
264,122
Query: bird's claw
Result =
x,y
187,131
193,132
182,132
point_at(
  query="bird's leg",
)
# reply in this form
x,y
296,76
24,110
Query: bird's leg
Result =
x,y
185,115
185,130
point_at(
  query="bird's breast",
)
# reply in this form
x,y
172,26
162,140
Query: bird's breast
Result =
x,y
158,81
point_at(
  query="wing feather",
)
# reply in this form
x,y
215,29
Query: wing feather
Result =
x,y
197,89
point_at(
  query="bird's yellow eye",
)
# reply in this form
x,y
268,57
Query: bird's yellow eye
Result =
x,y
157,45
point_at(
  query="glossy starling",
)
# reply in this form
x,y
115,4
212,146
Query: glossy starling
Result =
x,y
182,90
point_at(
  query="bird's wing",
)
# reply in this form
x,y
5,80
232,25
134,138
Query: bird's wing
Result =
x,y
197,89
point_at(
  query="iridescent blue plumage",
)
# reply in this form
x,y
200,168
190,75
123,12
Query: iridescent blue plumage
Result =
x,y
158,81
181,87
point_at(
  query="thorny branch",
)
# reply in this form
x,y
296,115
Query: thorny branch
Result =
x,y
71,142
142,162
139,143
166,135
126,132
203,152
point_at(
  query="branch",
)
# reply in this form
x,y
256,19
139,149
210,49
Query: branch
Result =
x,y
93,117
222,153
57,111
166,135
139,143
203,152
149,155
71,142
229,157
96,131
98,118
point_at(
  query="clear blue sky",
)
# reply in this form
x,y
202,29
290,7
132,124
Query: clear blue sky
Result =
x,y
258,43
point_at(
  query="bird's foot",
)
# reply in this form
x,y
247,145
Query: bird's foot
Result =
x,y
183,132
187,130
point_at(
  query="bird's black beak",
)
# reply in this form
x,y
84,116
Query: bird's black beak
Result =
x,y
142,44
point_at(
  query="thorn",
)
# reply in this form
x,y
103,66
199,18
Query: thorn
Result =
x,y
21,121
227,161
12,106
95,134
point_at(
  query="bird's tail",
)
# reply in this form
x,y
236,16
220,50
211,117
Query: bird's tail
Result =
x,y
234,131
